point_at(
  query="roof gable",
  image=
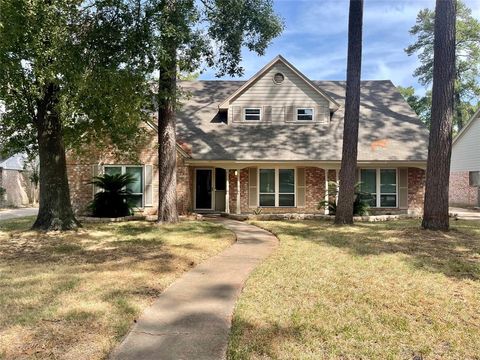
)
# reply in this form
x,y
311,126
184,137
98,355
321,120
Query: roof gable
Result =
x,y
333,105
469,123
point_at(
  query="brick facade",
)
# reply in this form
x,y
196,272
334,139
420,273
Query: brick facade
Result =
x,y
416,190
80,170
460,192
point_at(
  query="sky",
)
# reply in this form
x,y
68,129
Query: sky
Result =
x,y
315,39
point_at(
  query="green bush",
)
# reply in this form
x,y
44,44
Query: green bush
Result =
x,y
113,200
360,206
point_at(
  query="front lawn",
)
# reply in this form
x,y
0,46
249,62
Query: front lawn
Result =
x,y
371,291
74,295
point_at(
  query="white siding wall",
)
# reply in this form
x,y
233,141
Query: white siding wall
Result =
x,y
466,151
293,91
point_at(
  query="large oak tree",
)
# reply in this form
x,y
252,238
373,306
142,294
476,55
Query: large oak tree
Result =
x,y
71,73
346,194
435,216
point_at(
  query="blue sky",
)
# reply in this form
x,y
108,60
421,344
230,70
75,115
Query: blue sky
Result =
x,y
315,39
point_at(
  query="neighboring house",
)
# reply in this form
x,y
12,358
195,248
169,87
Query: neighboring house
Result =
x,y
465,165
16,181
274,142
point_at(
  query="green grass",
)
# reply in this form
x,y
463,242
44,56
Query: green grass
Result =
x,y
370,291
74,295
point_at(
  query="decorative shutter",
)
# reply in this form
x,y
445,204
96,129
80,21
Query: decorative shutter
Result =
x,y
267,114
252,187
403,188
289,114
96,171
236,113
301,187
320,114
148,190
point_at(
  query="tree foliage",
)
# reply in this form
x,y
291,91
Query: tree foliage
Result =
x,y
72,73
190,36
467,86
420,104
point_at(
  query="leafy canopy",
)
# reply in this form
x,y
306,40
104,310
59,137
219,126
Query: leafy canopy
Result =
x,y
91,51
467,87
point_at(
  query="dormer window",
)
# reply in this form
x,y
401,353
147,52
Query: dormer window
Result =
x,y
252,114
304,114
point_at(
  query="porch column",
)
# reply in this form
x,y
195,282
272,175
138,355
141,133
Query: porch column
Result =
x,y
337,187
238,191
326,191
227,193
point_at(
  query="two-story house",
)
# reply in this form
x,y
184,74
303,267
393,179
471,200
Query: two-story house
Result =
x,y
274,142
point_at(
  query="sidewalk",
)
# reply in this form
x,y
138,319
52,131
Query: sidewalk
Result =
x,y
191,319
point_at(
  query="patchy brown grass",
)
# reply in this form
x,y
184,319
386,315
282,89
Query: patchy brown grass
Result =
x,y
74,295
370,291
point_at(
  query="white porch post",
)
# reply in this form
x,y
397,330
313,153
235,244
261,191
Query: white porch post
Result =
x,y
227,193
336,179
238,192
326,191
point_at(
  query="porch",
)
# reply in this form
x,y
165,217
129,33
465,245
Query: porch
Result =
x,y
279,188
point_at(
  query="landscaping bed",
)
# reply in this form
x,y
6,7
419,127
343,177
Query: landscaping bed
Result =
x,y
74,295
371,291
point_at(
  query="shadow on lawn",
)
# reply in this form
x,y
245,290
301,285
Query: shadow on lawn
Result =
x,y
455,253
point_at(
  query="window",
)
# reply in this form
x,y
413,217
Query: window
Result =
x,y
474,178
277,187
136,187
267,187
378,187
278,78
252,114
368,186
388,187
286,182
305,114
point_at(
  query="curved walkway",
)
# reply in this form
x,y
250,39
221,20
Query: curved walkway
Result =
x,y
191,319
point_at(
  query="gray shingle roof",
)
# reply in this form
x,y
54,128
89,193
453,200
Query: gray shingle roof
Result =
x,y
389,129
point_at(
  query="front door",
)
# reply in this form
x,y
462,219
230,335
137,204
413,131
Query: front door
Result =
x,y
203,189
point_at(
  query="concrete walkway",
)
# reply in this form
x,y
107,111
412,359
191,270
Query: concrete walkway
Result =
x,y
6,214
465,214
191,319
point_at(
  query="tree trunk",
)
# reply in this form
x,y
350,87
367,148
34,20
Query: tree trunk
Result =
x,y
346,194
458,111
55,209
435,215
167,153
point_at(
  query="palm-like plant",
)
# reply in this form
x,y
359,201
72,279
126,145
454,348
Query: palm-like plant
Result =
x,y
113,200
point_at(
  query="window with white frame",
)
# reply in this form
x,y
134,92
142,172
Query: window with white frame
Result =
x,y
277,187
304,114
252,114
136,187
379,187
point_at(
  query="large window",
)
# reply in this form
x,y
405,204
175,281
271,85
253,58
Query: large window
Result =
x,y
136,187
304,114
379,187
277,187
252,114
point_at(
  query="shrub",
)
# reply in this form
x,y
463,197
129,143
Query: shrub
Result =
x,y
113,200
360,206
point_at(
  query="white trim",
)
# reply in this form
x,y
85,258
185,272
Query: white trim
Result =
x,y
295,116
252,108
212,203
466,126
276,192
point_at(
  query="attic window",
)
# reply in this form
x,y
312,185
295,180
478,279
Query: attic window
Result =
x,y
278,78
